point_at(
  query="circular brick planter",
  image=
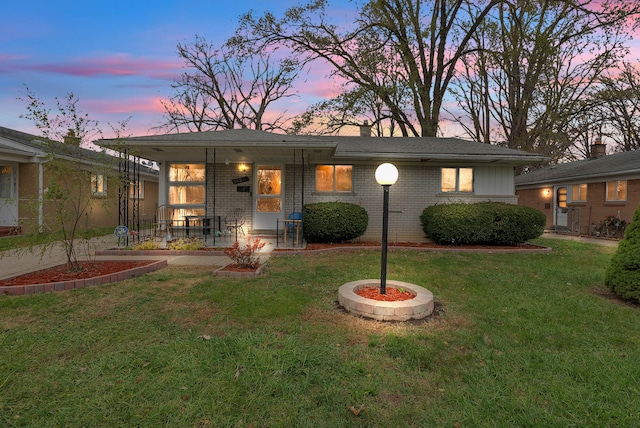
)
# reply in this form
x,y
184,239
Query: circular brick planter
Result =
x,y
417,308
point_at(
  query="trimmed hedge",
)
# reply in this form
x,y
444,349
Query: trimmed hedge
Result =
x,y
623,274
333,221
484,223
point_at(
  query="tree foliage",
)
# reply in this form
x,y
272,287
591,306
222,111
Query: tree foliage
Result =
x,y
227,87
402,53
537,63
69,167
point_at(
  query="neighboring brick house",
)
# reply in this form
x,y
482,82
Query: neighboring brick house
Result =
x,y
579,196
269,175
24,179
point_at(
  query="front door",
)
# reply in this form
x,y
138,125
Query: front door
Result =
x,y
268,197
8,195
561,207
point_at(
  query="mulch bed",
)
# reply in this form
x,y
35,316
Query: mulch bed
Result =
x,y
90,269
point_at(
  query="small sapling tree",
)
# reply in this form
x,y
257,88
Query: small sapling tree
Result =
x,y
75,178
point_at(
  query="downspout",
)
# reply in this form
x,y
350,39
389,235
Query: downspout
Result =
x,y
214,198
206,194
40,197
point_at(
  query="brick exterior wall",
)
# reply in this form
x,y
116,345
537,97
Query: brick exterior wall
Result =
x,y
417,187
581,216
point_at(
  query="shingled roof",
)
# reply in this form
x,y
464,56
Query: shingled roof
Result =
x,y
624,164
191,146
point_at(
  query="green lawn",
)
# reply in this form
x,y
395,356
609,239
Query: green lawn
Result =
x,y
518,340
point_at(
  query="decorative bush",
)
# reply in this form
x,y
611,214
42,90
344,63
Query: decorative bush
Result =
x,y
245,256
623,275
484,223
146,245
333,221
185,244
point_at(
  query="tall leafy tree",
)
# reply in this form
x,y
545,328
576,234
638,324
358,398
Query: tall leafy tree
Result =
x,y
229,86
415,42
620,106
536,64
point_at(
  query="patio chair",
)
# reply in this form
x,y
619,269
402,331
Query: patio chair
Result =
x,y
292,227
234,221
164,220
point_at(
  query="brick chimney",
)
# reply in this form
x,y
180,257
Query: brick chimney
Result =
x,y
598,149
365,129
71,138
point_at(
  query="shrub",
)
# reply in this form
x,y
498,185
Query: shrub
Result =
x,y
146,245
484,223
185,244
245,256
333,221
623,274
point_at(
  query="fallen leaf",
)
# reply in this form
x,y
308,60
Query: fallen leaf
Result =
x,y
355,411
237,375
204,337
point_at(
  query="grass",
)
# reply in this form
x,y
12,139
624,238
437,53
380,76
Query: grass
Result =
x,y
36,239
517,340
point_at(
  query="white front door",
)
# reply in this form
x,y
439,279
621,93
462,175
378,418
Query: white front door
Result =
x,y
8,195
561,207
268,202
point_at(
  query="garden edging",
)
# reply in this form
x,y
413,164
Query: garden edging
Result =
x,y
19,290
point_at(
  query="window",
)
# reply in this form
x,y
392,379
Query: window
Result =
x,y
579,193
136,190
561,197
616,190
98,185
334,178
456,180
186,189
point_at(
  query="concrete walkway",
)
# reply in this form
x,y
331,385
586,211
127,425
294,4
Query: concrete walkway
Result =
x,y
19,262
13,263
597,241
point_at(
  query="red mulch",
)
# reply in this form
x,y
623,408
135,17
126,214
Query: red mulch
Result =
x,y
61,273
237,267
392,294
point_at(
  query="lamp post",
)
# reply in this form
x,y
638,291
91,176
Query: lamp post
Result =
x,y
386,176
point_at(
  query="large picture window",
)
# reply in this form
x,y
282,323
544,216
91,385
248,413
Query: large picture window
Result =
x,y
616,190
187,189
456,180
334,178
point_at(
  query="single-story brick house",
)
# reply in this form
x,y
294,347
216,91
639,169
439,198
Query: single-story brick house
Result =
x,y
579,196
24,180
269,176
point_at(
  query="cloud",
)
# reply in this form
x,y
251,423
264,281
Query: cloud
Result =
x,y
115,65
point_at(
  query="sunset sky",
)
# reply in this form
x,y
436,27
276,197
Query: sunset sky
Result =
x,y
119,56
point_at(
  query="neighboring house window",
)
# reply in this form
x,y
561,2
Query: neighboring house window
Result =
x,y
98,185
456,180
136,190
579,193
617,190
334,178
186,189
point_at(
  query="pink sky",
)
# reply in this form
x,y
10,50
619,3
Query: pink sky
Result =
x,y
119,57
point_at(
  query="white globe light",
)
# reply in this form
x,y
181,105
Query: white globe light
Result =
x,y
386,174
